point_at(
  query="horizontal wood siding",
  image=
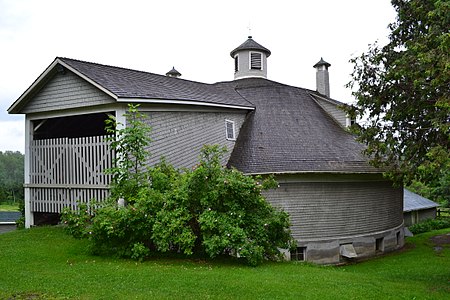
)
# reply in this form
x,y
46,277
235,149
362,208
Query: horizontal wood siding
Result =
x,y
338,114
66,91
337,209
64,171
179,136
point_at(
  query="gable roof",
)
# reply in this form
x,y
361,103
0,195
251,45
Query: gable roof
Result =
x,y
126,85
289,132
413,201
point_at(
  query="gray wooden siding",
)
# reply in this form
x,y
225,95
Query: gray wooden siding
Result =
x,y
66,91
338,114
338,209
179,136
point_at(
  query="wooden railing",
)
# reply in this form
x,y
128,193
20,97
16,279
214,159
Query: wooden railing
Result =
x,y
65,171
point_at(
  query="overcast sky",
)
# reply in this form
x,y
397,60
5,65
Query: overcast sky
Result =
x,y
195,36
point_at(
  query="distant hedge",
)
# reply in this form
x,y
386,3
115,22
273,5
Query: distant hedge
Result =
x,y
430,224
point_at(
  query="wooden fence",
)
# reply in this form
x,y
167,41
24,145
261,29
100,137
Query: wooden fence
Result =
x,y
65,171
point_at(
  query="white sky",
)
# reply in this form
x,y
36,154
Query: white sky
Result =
x,y
195,36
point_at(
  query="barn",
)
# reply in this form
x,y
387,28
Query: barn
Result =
x,y
341,208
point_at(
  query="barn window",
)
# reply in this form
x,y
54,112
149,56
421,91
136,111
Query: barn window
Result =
x,y
299,254
236,64
255,61
230,130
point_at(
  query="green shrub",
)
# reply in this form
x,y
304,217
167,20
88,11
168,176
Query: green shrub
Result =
x,y
206,211
430,224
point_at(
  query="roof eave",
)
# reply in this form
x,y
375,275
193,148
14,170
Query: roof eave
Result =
x,y
183,102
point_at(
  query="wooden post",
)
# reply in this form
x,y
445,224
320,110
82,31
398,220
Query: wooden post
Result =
x,y
29,217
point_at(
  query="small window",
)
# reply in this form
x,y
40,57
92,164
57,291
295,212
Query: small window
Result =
x,y
299,254
230,132
398,238
255,61
236,64
379,245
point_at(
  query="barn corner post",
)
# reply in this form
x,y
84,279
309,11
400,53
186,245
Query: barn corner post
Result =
x,y
29,218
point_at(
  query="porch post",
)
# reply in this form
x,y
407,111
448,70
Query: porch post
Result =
x,y
29,217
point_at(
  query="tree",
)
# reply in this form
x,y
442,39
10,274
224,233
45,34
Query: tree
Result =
x,y
402,93
11,176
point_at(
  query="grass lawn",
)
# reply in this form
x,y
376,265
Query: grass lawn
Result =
x,y
45,263
9,206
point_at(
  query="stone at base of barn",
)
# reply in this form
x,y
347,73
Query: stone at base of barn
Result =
x,y
329,252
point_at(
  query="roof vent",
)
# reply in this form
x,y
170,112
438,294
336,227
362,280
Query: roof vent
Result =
x,y
173,73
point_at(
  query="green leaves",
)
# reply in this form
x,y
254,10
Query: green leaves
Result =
x,y
402,91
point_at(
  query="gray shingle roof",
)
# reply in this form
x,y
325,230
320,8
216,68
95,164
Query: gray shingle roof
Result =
x,y
290,132
250,44
321,62
413,201
126,83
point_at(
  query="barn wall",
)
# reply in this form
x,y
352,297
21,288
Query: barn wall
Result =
x,y
179,136
416,216
337,209
66,91
331,209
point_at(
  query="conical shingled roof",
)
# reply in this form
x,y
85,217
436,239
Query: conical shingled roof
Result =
x,y
289,132
250,44
321,62
173,73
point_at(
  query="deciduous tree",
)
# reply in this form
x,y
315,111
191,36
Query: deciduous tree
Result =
x,y
402,93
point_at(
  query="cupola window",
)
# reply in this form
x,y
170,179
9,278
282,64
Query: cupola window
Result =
x,y
255,61
236,63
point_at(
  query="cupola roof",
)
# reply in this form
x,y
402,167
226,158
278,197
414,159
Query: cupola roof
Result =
x,y
173,73
321,62
250,44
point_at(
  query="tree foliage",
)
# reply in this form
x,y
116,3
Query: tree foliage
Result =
x,y
402,91
11,176
208,210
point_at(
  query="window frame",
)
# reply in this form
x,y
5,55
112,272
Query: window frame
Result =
x,y
299,252
233,128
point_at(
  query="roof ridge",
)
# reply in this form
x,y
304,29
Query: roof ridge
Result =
x,y
128,69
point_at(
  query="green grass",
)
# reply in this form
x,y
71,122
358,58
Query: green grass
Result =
x,y
9,206
45,263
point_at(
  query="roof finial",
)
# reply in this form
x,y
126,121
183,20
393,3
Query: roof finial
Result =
x,y
249,30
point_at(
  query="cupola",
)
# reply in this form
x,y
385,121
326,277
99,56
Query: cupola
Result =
x,y
322,77
173,73
250,60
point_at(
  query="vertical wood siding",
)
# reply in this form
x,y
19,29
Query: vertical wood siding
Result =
x,y
64,171
65,91
179,136
337,209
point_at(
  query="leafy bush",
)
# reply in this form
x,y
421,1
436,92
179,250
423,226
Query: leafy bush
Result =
x,y
430,224
206,211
